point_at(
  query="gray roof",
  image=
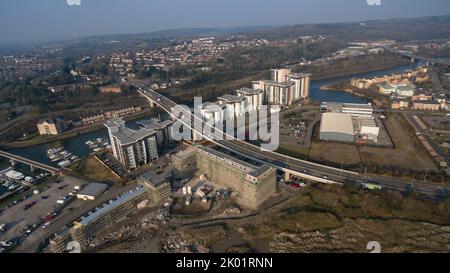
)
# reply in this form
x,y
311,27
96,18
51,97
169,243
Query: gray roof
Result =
x,y
155,179
154,124
230,98
112,204
251,169
114,122
94,189
129,136
281,84
249,91
300,75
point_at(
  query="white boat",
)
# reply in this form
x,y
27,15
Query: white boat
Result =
x,y
15,175
64,163
13,187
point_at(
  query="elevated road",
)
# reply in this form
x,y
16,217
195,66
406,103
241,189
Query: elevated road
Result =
x,y
32,163
415,57
297,167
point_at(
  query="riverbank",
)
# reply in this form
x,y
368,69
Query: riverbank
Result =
x,y
355,66
40,140
370,94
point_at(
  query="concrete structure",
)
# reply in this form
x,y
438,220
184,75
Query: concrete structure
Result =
x,y
302,84
285,87
234,105
253,98
281,93
158,185
92,191
353,109
367,128
280,75
213,112
337,127
53,126
108,213
162,128
253,184
33,164
132,148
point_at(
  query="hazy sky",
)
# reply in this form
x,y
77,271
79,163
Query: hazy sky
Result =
x,y
28,20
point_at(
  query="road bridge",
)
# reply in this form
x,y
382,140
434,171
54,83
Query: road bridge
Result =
x,y
33,164
300,168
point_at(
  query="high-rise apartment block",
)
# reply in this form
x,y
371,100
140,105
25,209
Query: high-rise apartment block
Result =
x,y
132,148
285,87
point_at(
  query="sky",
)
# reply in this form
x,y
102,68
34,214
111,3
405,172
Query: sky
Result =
x,y
40,20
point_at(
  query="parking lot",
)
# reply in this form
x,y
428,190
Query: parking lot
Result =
x,y
28,215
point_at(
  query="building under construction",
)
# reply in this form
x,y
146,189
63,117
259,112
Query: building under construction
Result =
x,y
253,184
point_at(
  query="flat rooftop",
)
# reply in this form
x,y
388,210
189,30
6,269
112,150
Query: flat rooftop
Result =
x,y
94,189
336,123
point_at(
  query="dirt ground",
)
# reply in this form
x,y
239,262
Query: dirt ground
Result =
x,y
408,154
335,152
101,174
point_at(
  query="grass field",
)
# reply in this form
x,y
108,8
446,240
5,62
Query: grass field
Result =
x,y
91,169
337,153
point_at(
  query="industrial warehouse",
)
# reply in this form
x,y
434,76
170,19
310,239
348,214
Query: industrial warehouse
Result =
x,y
344,122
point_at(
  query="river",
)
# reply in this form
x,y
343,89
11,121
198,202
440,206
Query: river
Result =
x,y
77,146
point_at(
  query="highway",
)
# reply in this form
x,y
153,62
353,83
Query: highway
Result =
x,y
302,168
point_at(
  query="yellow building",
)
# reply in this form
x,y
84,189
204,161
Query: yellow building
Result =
x,y
51,126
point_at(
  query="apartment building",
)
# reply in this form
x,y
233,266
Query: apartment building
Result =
x,y
132,148
53,126
254,98
285,87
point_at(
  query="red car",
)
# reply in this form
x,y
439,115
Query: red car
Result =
x,y
29,205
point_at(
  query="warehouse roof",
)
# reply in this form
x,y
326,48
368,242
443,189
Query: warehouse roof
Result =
x,y
94,189
336,123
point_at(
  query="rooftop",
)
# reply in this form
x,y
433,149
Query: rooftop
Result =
x,y
154,124
154,179
114,122
129,136
337,123
281,84
110,205
230,98
93,189
249,91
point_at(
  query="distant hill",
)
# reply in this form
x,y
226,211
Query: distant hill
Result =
x,y
422,28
